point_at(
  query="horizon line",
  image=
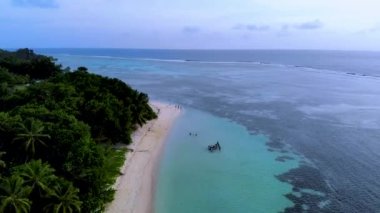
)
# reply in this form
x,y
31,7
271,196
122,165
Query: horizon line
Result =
x,y
197,49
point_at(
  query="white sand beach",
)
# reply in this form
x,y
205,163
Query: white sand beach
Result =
x,y
135,188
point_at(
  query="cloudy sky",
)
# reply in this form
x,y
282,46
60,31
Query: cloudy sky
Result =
x,y
194,24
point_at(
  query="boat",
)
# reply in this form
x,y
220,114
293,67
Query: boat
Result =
x,y
214,147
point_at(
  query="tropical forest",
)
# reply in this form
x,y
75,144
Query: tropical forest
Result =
x,y
59,131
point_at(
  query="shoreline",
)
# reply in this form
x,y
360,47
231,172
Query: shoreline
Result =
x,y
135,187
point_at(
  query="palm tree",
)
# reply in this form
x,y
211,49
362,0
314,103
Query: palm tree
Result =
x,y
39,176
64,199
14,195
138,108
31,135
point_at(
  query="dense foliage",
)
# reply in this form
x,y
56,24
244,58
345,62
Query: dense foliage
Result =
x,y
57,128
26,62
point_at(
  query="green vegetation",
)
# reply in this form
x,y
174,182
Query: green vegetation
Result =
x,y
26,62
57,128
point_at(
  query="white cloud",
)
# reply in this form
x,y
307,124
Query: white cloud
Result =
x,y
310,25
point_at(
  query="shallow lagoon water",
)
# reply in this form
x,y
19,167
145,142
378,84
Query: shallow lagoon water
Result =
x,y
239,178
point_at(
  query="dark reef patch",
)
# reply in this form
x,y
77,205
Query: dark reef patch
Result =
x,y
284,158
305,177
310,178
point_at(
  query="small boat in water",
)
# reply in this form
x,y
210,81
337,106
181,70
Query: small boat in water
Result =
x,y
214,147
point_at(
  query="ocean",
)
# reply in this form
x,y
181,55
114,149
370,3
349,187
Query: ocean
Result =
x,y
299,129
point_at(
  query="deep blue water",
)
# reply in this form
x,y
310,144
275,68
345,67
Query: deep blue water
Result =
x,y
322,105
362,62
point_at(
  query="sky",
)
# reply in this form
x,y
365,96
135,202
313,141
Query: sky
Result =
x,y
191,24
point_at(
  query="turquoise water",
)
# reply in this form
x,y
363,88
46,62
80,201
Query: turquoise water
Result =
x,y
240,178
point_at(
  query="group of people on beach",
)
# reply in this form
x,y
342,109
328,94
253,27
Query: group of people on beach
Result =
x,y
177,106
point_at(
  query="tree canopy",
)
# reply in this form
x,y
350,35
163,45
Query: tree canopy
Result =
x,y
57,128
